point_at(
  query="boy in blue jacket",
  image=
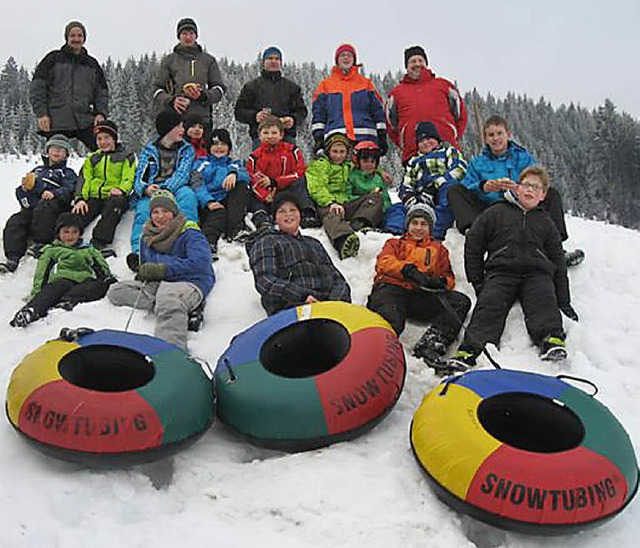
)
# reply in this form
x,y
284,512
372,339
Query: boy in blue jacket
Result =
x,y
223,193
494,172
44,193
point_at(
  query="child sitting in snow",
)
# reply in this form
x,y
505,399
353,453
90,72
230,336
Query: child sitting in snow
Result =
x,y
45,192
429,175
223,192
365,180
107,180
513,252
409,272
68,272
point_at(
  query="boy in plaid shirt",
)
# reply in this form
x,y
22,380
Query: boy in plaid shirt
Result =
x,y
430,173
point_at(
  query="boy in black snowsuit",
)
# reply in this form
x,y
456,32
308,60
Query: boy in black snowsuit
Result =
x,y
524,261
44,193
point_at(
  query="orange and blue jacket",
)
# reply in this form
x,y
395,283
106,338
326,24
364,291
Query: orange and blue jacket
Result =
x,y
349,104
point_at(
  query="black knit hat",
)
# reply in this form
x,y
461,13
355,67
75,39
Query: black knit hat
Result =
x,y
186,24
68,219
166,121
427,130
286,196
192,119
106,126
415,50
72,25
220,135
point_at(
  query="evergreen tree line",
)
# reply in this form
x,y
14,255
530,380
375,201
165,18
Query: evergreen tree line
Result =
x,y
593,156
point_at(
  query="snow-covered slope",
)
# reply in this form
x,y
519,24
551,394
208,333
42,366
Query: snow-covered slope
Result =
x,y
367,492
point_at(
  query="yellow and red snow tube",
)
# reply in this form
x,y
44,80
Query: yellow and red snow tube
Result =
x,y
110,397
524,451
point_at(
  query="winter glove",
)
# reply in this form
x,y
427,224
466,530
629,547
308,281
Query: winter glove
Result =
x,y
411,273
152,272
569,312
435,282
382,142
318,145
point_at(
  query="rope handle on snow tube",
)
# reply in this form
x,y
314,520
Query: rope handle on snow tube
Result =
x,y
232,376
580,379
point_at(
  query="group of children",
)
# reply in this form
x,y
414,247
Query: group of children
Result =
x,y
512,251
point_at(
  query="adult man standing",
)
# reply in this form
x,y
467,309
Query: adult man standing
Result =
x,y
189,80
69,92
271,93
422,97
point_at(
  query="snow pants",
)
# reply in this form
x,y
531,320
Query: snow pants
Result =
x,y
227,220
69,291
366,209
112,209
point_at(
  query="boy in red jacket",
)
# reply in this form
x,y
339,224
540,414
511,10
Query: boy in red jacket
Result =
x,y
414,279
273,167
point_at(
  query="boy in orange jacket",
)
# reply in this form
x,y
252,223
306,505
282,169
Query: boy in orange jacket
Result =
x,y
414,279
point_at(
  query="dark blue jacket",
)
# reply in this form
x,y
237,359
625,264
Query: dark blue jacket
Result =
x,y
59,179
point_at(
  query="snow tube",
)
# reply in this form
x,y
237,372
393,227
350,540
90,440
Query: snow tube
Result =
x,y
310,376
109,397
524,451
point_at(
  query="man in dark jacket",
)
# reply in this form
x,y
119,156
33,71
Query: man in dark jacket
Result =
x,y
189,80
290,269
271,93
69,91
525,262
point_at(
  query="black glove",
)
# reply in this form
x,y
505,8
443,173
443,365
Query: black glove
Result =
x,y
569,312
410,272
318,145
435,282
382,142
151,272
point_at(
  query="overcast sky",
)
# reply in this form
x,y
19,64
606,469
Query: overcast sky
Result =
x,y
565,50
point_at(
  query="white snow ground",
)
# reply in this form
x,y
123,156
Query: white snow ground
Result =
x,y
367,492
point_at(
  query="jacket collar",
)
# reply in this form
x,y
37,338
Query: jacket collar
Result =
x,y
425,76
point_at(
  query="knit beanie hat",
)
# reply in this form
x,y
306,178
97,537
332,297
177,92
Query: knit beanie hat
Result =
x,y
221,135
166,121
414,50
192,119
345,48
164,198
106,126
68,219
420,210
271,50
186,24
58,140
427,130
73,25
286,196
336,138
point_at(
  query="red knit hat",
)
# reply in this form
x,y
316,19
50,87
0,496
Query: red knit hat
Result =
x,y
346,48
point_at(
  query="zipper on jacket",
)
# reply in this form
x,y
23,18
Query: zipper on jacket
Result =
x,y
193,67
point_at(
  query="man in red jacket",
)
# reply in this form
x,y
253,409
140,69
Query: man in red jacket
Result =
x,y
423,97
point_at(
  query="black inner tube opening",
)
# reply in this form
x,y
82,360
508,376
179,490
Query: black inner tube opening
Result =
x,y
305,349
106,368
531,422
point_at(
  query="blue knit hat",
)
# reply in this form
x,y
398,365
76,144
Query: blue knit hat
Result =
x,y
271,50
427,130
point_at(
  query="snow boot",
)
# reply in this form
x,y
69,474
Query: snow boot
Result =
x,y
196,317
9,265
35,249
133,262
573,258
553,349
23,317
349,246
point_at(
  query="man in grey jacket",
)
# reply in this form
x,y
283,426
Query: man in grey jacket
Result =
x,y
189,80
69,92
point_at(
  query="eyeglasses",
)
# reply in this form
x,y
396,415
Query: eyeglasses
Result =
x,y
532,186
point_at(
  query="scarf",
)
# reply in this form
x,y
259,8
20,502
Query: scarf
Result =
x,y
162,240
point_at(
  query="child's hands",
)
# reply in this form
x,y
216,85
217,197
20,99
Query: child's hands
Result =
x,y
151,189
270,196
288,122
262,180
386,177
29,181
337,209
499,185
115,192
180,104
229,182
81,208
48,195
212,206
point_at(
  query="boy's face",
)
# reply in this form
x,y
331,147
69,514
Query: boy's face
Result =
x,y
69,235
270,135
415,64
497,137
368,165
427,145
530,192
345,61
175,135
338,153
418,228
56,154
288,218
272,63
105,142
219,149
75,39
196,131
161,217
187,37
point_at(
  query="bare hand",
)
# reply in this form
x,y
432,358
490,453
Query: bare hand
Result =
x,y
498,185
44,123
151,189
48,195
115,192
337,209
288,122
229,182
181,104
193,91
270,196
98,118
262,180
81,208
262,114
212,206
310,300
386,177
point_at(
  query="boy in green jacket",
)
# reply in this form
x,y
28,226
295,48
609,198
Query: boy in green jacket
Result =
x,y
365,179
68,272
104,186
